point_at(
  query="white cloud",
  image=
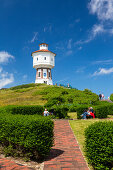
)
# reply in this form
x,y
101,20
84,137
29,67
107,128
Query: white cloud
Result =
x,y
24,77
102,62
69,52
103,71
34,37
80,48
5,56
80,70
48,28
102,8
96,30
5,78
69,45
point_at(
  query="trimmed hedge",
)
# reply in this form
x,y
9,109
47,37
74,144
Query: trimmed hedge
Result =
x,y
28,134
101,111
80,109
59,111
99,145
25,110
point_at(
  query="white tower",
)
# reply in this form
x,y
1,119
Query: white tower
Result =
x,y
43,62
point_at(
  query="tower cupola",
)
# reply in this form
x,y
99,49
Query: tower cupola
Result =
x,y
43,46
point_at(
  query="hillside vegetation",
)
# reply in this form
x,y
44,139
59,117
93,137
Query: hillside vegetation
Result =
x,y
41,94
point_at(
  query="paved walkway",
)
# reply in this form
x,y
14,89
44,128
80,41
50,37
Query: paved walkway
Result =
x,y
6,164
66,154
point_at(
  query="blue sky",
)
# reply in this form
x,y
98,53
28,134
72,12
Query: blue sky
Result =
x,y
80,33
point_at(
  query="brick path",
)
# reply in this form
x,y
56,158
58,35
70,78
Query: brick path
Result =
x,y
6,164
65,155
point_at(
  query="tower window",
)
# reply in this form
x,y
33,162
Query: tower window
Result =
x,y
44,74
37,59
44,58
51,59
38,74
49,74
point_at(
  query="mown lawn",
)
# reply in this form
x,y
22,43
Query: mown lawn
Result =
x,y
78,127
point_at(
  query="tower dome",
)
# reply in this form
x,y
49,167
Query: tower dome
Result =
x,y
43,62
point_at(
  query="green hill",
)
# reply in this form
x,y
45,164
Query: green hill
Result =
x,y
40,94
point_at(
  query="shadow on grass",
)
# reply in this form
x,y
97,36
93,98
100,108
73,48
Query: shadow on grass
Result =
x,y
54,153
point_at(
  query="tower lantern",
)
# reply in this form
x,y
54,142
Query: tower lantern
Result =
x,y
43,62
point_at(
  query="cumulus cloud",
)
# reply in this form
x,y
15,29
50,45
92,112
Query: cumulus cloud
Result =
x,y
103,71
5,56
5,78
102,8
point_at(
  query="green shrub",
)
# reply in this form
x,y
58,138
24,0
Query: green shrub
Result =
x,y
73,108
54,101
111,97
25,110
99,145
101,111
29,134
80,110
59,111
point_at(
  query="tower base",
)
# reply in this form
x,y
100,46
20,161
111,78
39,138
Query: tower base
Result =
x,y
45,81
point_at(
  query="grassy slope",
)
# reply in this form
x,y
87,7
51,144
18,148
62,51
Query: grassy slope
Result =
x,y
32,94
23,96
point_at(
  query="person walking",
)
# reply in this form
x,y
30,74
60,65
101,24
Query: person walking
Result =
x,y
100,96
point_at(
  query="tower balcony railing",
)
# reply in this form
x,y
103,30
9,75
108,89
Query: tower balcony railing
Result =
x,y
43,63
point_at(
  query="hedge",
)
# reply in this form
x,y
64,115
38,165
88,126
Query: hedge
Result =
x,y
59,111
101,111
80,109
99,145
25,110
27,134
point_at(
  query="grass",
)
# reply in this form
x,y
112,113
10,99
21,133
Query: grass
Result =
x,y
33,94
72,115
24,96
78,127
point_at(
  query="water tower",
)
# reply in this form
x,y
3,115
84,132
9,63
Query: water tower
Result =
x,y
43,62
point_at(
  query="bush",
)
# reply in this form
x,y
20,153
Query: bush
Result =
x,y
111,97
28,134
80,109
54,101
101,111
99,145
59,111
25,110
73,108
